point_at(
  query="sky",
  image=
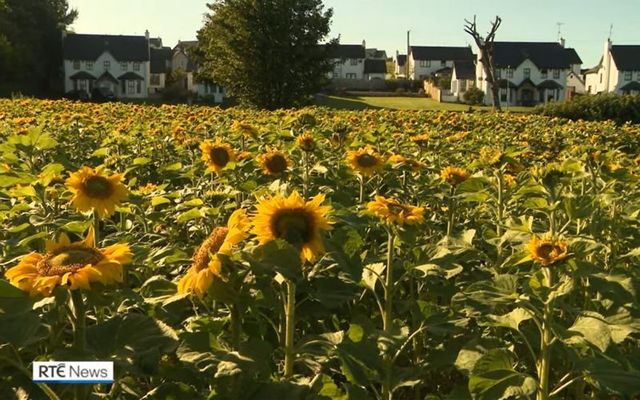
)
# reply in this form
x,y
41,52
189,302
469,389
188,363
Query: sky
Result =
x,y
585,24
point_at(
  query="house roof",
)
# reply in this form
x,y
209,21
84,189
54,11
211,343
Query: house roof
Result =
x,y
375,53
527,81
82,75
130,76
185,45
443,71
465,69
107,76
545,55
374,66
631,86
627,57
344,51
441,53
549,84
402,59
155,42
160,60
89,47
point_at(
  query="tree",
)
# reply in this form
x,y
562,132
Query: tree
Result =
x,y
31,43
266,52
485,45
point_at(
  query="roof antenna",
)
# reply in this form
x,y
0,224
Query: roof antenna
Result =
x,y
610,31
559,30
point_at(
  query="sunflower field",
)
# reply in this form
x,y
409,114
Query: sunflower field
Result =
x,y
318,254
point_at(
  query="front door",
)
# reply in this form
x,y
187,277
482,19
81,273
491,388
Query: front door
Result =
x,y
526,97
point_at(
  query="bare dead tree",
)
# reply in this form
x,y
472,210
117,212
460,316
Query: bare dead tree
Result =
x,y
485,45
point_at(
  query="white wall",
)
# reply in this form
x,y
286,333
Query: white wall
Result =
x,y
205,90
418,72
343,67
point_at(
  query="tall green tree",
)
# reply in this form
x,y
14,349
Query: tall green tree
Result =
x,y
31,44
266,52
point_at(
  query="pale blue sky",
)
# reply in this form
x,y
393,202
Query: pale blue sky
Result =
x,y
383,23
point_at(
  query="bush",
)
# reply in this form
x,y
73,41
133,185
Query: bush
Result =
x,y
618,108
474,96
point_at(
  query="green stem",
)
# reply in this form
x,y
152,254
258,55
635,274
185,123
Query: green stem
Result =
x,y
450,219
387,318
546,338
305,186
361,198
500,214
79,335
96,229
236,326
289,312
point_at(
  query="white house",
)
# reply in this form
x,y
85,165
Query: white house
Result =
x,y
160,59
118,63
463,77
427,61
400,63
530,73
348,61
375,69
182,59
617,72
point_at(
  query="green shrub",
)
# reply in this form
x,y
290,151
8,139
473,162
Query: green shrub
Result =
x,y
474,96
619,108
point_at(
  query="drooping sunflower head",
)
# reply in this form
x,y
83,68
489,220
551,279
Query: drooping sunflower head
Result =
x,y
217,155
244,128
454,176
306,142
292,219
397,159
74,265
490,155
421,139
206,265
366,161
547,250
273,162
94,191
393,212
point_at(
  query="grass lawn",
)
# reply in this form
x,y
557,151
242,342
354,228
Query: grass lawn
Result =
x,y
399,103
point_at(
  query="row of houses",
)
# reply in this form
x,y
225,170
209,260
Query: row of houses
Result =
x,y
528,73
132,66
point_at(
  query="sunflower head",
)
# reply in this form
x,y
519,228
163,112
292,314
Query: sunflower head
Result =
x,y
398,159
395,213
421,140
73,265
306,142
244,128
94,191
206,266
491,156
217,155
273,162
292,219
366,161
454,176
546,250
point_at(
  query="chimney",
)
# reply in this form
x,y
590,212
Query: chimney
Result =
x,y
364,44
562,42
146,34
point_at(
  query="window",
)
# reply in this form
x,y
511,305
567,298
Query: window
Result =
x,y
354,61
543,74
124,66
335,74
556,74
443,63
107,65
76,64
351,76
155,79
89,65
425,63
509,73
527,73
627,75
498,73
136,66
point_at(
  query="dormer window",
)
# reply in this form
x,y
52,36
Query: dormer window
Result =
x,y
354,61
124,66
425,63
89,65
136,66
107,65
527,73
556,74
498,73
627,75
543,74
76,64
443,63
509,72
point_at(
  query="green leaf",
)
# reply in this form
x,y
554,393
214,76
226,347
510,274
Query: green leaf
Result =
x,y
494,378
157,200
177,166
281,257
512,319
593,328
141,161
190,215
371,274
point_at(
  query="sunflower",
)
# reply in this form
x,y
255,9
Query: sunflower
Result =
x,y
273,162
75,265
394,212
244,128
490,155
217,155
365,161
546,250
294,220
306,142
206,265
94,191
421,139
398,159
454,176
